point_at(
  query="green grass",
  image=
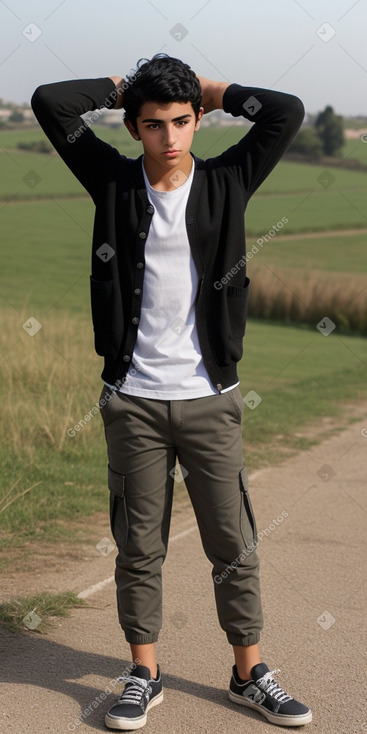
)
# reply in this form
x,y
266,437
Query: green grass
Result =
x,y
52,178
356,149
48,254
336,254
294,191
301,377
297,355
119,137
290,177
37,612
35,175
314,211
71,485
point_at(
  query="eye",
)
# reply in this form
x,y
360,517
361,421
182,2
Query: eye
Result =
x,y
181,123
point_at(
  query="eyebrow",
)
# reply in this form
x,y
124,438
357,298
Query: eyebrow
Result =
x,y
175,119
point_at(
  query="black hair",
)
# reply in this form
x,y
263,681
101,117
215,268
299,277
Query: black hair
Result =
x,y
161,79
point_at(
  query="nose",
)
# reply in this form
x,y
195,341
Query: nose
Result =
x,y
169,136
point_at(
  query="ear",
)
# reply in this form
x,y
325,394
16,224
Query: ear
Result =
x,y
199,116
132,130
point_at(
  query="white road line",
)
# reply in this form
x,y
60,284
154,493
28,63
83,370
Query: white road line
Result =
x,y
101,584
96,587
183,533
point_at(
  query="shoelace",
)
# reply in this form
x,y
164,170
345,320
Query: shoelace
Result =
x,y
133,693
270,686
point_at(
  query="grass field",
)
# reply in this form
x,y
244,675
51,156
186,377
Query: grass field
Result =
x,y
336,254
311,199
48,248
51,380
208,142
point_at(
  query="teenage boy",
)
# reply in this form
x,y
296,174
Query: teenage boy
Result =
x,y
168,227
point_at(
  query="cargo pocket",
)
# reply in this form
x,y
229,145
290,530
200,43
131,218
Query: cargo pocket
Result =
x,y
248,523
118,513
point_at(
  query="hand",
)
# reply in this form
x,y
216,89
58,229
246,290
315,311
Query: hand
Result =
x,y
212,94
118,82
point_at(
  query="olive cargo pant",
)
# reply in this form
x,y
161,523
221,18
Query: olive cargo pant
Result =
x,y
144,437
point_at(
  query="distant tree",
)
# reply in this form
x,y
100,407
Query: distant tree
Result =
x,y
329,127
36,146
16,116
307,143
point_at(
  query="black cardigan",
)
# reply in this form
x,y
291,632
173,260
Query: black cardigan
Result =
x,y
218,198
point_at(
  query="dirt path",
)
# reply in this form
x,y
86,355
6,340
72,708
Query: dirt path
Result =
x,y
314,595
320,234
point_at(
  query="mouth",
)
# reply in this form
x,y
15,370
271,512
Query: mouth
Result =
x,y
171,153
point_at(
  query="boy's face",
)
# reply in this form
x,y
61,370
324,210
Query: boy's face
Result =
x,y
166,131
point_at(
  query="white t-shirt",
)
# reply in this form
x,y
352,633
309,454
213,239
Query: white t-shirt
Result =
x,y
167,363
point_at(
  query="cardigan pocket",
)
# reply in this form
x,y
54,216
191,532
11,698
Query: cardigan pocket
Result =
x,y
228,322
237,299
106,316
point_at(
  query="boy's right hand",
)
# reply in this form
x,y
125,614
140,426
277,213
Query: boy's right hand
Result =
x,y
118,82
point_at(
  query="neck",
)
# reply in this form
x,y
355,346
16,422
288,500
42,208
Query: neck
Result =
x,y
164,180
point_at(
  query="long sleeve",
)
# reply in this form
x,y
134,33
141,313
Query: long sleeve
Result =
x,y
276,116
58,108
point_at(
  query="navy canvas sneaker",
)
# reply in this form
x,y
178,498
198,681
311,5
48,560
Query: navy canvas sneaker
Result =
x,y
263,694
140,694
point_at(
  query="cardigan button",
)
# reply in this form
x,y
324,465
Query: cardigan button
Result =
x,y
140,265
142,235
137,291
150,210
135,320
126,358
219,387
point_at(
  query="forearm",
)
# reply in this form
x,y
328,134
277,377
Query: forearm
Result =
x,y
276,117
212,94
59,107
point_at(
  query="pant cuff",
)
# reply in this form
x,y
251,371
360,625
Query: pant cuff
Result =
x,y
243,640
135,638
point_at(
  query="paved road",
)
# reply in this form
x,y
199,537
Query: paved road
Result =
x,y
314,594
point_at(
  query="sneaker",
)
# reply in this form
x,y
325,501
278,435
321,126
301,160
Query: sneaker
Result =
x,y
140,694
263,694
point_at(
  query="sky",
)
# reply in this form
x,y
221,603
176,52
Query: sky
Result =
x,y
315,49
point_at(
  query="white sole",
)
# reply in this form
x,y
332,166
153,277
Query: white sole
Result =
x,y
280,719
122,724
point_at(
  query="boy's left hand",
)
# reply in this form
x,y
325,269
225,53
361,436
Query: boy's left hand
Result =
x,y
212,94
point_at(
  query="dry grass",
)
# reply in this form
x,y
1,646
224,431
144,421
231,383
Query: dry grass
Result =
x,y
37,612
49,380
307,297
11,496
